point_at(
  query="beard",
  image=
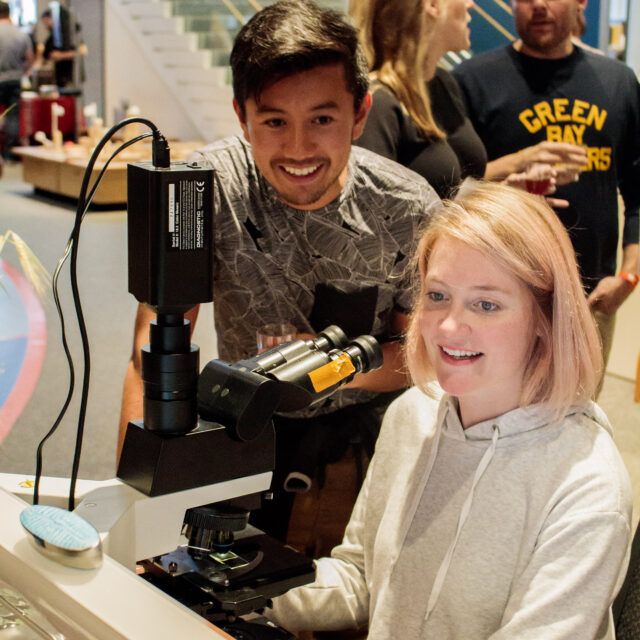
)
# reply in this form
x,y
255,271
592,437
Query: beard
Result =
x,y
544,45
295,198
304,197
544,41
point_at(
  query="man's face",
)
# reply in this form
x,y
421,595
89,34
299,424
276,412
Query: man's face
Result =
x,y
300,132
544,26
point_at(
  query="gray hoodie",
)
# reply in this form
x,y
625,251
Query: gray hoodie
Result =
x,y
517,527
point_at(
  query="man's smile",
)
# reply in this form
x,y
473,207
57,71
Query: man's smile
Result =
x,y
300,171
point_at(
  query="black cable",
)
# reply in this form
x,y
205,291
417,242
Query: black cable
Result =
x,y
160,155
56,297
75,234
158,142
122,147
54,286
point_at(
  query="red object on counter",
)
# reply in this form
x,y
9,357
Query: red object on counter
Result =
x,y
35,115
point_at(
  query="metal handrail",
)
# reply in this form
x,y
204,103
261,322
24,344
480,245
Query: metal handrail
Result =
x,y
504,5
494,23
255,5
236,14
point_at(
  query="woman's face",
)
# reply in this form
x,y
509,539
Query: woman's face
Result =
x,y
477,327
453,24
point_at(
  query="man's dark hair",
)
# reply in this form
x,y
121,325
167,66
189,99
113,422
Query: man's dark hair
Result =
x,y
292,36
46,13
5,10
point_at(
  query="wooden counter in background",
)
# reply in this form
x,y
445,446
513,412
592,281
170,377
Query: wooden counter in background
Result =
x,y
61,173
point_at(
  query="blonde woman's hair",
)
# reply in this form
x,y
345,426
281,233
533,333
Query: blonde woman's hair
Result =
x,y
395,36
523,235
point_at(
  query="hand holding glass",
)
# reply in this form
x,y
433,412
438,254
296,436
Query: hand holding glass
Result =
x,y
538,178
275,333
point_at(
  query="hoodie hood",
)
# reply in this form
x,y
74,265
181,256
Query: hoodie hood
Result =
x,y
531,420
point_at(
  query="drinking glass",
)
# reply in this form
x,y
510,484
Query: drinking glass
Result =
x,y
274,333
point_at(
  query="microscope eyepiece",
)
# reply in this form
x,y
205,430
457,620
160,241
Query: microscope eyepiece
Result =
x,y
287,377
366,351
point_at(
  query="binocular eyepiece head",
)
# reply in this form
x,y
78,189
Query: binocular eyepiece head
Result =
x,y
287,377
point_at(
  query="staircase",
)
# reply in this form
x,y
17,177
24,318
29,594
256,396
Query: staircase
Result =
x,y
179,51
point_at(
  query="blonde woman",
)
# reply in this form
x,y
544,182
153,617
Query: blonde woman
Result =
x,y
500,508
418,117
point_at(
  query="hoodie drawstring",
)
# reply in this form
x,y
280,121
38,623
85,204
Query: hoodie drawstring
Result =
x,y
466,508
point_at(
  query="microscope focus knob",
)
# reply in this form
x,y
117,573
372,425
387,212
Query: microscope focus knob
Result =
x,y
217,518
211,527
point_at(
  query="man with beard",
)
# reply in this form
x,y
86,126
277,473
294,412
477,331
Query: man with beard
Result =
x,y
543,89
308,230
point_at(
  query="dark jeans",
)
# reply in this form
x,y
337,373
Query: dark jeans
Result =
x,y
10,94
307,445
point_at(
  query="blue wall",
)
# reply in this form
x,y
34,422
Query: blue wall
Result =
x,y
592,14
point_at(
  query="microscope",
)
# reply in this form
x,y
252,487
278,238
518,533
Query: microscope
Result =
x,y
197,463
206,443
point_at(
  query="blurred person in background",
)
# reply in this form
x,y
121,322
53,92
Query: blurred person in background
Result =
x,y
62,46
418,116
16,58
541,89
579,29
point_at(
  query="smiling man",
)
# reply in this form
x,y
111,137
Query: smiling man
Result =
x,y
300,130
307,230
543,88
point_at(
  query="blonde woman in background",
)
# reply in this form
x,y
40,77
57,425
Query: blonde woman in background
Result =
x,y
418,116
501,508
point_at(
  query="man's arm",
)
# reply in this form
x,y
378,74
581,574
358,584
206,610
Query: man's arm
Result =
x,y
56,55
567,159
29,59
68,54
393,374
131,408
612,291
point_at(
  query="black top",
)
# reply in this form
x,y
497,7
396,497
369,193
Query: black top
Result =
x,y
391,132
515,101
63,68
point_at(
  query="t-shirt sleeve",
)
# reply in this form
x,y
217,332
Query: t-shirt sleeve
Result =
x,y
339,597
450,112
454,93
382,129
426,204
461,77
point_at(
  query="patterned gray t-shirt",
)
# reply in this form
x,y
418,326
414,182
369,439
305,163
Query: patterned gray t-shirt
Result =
x,y
346,263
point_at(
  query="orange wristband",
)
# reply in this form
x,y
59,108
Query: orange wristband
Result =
x,y
631,278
